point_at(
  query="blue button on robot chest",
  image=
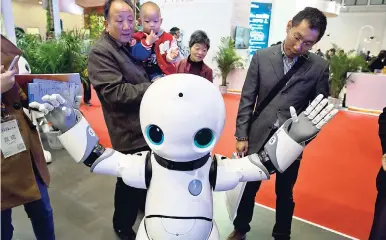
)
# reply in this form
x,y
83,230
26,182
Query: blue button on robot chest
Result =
x,y
195,187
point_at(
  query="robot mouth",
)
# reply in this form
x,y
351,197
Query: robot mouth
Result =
x,y
182,166
178,217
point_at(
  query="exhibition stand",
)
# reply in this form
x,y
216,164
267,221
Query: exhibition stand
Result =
x,y
366,92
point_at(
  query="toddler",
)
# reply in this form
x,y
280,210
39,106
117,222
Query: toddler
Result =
x,y
155,47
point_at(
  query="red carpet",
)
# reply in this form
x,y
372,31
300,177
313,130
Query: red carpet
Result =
x,y
336,183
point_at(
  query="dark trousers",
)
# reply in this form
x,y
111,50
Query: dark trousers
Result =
x,y
127,201
86,91
378,229
284,203
39,212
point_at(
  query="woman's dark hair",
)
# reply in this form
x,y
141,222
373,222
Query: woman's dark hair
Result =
x,y
382,54
106,7
200,37
315,18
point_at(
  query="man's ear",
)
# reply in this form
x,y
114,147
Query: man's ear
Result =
x,y
106,25
289,25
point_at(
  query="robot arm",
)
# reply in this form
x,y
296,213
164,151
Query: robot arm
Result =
x,y
232,171
282,149
81,142
289,141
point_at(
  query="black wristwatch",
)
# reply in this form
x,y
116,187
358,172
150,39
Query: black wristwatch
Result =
x,y
242,138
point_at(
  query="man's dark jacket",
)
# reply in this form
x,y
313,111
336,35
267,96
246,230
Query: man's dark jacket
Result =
x,y
265,71
382,130
120,83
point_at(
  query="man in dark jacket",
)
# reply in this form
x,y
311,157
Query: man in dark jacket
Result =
x,y
378,230
267,67
120,83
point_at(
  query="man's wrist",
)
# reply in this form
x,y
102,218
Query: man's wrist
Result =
x,y
242,138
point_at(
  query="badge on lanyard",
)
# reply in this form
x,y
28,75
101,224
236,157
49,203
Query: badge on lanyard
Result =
x,y
11,141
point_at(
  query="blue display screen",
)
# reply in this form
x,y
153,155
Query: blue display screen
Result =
x,y
259,22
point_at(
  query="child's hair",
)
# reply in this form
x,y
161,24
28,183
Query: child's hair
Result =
x,y
150,4
200,37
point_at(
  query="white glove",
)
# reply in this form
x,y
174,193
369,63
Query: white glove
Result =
x,y
307,125
58,111
287,143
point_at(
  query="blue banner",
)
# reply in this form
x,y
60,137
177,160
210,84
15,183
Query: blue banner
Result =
x,y
259,22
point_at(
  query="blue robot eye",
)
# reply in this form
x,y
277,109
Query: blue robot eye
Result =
x,y
155,134
203,138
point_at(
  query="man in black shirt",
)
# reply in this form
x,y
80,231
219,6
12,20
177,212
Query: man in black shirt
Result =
x,y
378,230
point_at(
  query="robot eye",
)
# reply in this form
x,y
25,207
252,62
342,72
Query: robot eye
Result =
x,y
155,134
203,138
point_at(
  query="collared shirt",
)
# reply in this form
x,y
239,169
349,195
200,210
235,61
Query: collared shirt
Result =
x,y
288,64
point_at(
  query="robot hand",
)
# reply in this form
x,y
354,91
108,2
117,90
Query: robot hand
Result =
x,y
58,111
306,126
288,142
73,125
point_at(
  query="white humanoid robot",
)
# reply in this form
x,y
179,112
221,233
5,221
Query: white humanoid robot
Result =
x,y
182,117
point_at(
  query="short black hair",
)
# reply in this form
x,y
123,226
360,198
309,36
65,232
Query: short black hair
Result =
x,y
174,30
106,7
315,18
200,37
382,54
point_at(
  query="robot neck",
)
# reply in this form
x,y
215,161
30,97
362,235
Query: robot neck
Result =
x,y
182,166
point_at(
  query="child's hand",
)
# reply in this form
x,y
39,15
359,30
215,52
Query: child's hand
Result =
x,y
151,38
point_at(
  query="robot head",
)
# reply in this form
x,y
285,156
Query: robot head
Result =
x,y
182,117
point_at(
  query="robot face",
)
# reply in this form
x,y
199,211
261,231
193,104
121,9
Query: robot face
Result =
x,y
182,117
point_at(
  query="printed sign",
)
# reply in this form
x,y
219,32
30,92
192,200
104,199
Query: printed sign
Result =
x,y
259,23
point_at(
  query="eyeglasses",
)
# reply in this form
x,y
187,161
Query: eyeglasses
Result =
x,y
306,45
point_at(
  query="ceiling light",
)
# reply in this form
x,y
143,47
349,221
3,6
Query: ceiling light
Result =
x,y
40,2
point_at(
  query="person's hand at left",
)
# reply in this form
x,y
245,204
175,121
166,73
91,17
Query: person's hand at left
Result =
x,y
7,79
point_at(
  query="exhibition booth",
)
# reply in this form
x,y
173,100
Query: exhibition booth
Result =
x,y
259,24
334,200
366,92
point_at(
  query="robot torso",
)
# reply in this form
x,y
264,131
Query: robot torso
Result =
x,y
179,202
